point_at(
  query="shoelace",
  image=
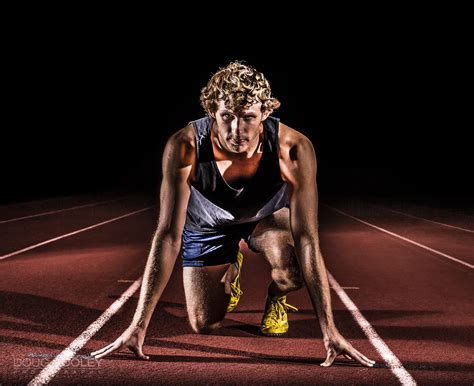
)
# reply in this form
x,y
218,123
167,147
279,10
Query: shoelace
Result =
x,y
279,308
234,289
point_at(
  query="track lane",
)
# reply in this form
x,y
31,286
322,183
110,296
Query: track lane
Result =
x,y
450,241
23,234
50,212
52,294
463,228
48,294
82,275
27,208
418,303
461,215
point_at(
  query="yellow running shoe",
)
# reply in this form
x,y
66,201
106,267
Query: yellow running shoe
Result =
x,y
235,292
275,319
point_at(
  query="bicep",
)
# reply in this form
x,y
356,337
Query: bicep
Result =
x,y
303,194
175,190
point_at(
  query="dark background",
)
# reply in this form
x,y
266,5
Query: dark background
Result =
x,y
388,111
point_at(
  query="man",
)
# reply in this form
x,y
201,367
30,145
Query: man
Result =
x,y
237,174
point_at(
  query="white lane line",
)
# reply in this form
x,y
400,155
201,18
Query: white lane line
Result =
x,y
424,219
31,202
393,363
351,288
67,354
403,238
72,233
456,213
61,210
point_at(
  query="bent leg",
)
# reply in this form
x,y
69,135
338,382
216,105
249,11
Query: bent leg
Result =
x,y
272,237
206,300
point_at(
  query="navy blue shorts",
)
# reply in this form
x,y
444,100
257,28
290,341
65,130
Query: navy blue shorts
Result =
x,y
214,247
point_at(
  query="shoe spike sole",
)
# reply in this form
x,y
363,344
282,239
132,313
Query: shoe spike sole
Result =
x,y
280,334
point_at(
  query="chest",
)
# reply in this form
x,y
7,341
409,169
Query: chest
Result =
x,y
238,173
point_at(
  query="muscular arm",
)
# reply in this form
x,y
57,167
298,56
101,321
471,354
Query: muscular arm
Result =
x,y
298,167
178,161
300,173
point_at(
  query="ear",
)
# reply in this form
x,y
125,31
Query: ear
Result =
x,y
212,114
265,114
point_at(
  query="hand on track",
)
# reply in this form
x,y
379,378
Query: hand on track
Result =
x,y
132,338
336,345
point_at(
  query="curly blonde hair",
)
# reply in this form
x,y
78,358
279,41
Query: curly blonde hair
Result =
x,y
239,86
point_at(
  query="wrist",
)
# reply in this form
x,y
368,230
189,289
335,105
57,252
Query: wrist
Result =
x,y
329,331
139,324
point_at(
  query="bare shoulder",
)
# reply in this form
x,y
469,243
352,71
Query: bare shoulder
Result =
x,y
297,155
292,141
183,138
180,148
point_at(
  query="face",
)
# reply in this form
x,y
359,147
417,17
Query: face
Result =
x,y
239,131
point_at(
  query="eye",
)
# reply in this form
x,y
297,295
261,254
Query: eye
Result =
x,y
248,119
225,116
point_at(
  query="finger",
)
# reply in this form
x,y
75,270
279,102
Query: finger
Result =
x,y
367,359
138,352
115,347
101,350
332,354
362,359
348,356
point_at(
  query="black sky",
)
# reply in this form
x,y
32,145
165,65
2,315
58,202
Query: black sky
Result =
x,y
387,112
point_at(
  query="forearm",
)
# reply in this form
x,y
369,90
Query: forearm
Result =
x,y
316,280
159,267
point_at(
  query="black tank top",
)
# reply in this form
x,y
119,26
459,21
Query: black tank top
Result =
x,y
214,203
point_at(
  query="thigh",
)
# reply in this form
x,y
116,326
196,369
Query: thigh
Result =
x,y
206,300
272,237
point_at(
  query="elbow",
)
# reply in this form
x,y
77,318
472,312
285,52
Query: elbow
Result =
x,y
173,239
307,249
306,240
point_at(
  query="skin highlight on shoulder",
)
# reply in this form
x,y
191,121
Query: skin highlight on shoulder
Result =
x,y
184,137
296,151
181,149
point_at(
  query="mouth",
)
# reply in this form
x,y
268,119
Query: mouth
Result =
x,y
237,142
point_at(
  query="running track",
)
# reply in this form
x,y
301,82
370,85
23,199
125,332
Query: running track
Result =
x,y
393,265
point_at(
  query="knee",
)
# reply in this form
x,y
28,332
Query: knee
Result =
x,y
288,278
202,326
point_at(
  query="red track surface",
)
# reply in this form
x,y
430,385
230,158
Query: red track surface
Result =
x,y
417,301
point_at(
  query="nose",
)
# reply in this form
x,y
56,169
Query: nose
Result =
x,y
235,127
